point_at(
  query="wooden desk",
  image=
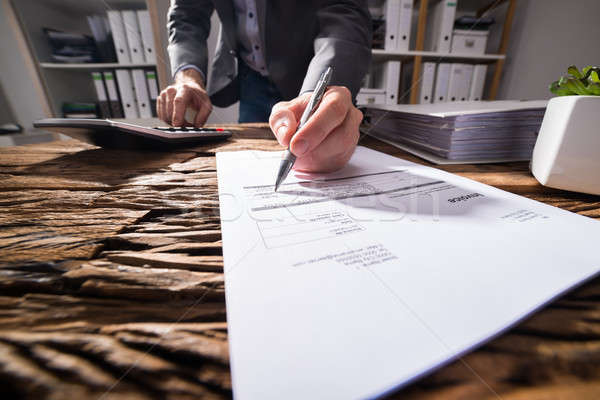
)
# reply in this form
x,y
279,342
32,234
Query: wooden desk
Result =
x,y
126,297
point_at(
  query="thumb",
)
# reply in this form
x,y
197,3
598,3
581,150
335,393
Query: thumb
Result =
x,y
285,117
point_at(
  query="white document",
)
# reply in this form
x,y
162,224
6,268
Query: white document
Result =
x,y
134,37
441,82
115,19
441,24
126,90
427,78
141,93
392,17
477,82
353,284
467,108
147,36
404,25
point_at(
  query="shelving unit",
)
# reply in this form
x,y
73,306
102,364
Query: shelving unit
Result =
x,y
383,55
62,82
417,55
94,66
492,4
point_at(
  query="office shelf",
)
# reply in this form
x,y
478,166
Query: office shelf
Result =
x,y
381,55
58,83
420,20
94,66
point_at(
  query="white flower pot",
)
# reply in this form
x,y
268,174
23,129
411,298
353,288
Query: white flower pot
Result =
x,y
567,151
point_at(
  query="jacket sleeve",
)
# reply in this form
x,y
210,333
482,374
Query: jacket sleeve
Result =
x,y
188,23
343,42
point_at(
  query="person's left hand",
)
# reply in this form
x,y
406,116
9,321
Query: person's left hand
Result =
x,y
326,142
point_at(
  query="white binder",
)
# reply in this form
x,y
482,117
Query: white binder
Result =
x,y
141,93
441,23
427,78
127,93
404,25
119,37
454,82
392,17
369,96
466,82
477,82
460,81
101,95
441,83
134,38
147,36
152,90
116,111
391,75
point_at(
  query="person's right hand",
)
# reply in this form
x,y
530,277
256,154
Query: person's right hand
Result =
x,y
187,92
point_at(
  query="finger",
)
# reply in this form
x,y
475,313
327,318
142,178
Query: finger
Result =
x,y
203,112
170,93
336,149
329,115
165,116
285,116
180,102
159,110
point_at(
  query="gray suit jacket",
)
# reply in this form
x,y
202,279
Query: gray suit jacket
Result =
x,y
301,39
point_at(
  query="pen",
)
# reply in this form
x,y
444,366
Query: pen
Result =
x,y
288,158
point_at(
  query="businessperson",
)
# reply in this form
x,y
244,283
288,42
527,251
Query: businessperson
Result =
x,y
269,56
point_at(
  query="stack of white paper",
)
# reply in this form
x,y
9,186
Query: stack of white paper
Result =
x,y
477,131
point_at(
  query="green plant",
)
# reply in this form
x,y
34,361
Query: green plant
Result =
x,y
584,83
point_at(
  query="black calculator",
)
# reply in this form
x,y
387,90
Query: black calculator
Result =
x,y
117,134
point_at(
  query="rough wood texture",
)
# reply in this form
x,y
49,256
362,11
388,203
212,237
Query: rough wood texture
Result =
x,y
111,283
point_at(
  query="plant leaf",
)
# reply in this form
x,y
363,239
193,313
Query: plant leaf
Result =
x,y
594,89
574,72
559,90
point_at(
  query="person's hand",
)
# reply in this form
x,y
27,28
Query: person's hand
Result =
x,y
326,142
187,91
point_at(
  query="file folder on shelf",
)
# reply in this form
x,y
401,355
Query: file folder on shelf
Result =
x,y
116,111
147,36
404,25
101,95
127,93
466,81
392,17
134,39
427,78
115,19
141,93
152,90
392,81
441,83
477,82
368,96
459,82
441,24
